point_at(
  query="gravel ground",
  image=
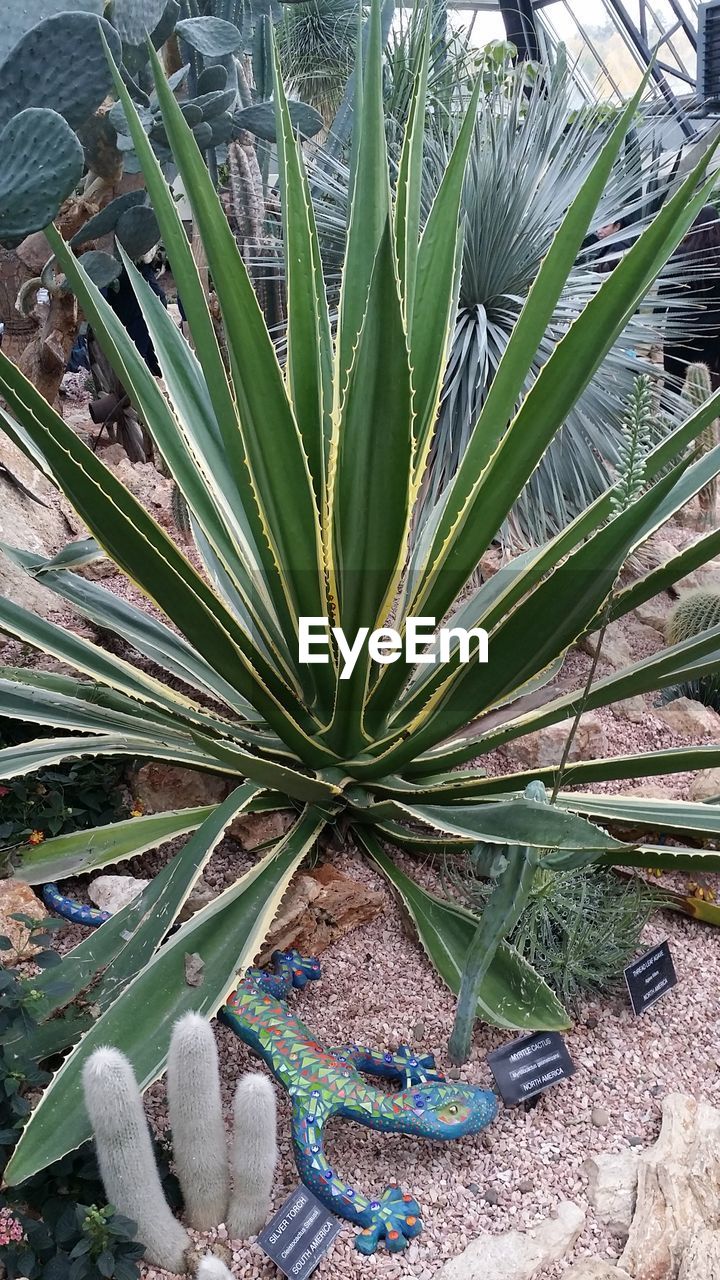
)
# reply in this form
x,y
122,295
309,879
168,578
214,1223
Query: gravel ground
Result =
x,y
378,986
518,1170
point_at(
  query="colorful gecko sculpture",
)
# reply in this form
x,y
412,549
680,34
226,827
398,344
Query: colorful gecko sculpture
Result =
x,y
323,1083
327,1082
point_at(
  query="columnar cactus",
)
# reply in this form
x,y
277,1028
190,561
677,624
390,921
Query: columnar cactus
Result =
x,y
697,391
125,1156
195,1106
254,1155
695,612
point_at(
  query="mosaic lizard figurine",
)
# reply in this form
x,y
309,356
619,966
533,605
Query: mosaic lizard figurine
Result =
x,y
327,1082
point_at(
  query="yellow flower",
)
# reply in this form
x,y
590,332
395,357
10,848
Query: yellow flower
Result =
x,y
137,811
36,837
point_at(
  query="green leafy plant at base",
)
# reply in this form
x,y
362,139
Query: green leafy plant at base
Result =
x,y
49,1227
71,1242
302,483
579,928
73,796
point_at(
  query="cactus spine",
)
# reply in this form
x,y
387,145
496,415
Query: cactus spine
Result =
x,y
195,1107
696,612
254,1155
125,1155
697,391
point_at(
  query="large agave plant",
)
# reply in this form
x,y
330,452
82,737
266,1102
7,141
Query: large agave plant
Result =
x,y
301,484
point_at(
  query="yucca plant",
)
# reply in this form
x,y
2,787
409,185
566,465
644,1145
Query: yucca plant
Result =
x,y
316,43
301,484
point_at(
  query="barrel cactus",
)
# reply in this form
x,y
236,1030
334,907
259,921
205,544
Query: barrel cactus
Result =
x,y
695,612
697,390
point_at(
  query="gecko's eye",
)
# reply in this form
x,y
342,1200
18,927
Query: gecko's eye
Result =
x,y
453,1113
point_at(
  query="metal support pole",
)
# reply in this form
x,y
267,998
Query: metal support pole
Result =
x,y
519,20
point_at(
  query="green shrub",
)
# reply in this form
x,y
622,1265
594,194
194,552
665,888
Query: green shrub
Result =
x,y
73,796
579,928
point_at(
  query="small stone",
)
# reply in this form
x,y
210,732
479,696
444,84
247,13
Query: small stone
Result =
x,y
592,1022
612,1188
656,1090
491,1196
600,1118
634,1140
418,1030
526,1186
454,1074
473,1188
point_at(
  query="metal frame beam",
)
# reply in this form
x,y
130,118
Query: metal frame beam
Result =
x,y
638,36
519,19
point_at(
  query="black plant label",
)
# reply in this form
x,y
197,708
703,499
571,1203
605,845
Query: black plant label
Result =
x,y
299,1234
530,1065
649,978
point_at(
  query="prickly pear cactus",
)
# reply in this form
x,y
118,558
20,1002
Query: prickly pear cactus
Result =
x,y
41,162
134,20
18,16
694,613
697,391
61,64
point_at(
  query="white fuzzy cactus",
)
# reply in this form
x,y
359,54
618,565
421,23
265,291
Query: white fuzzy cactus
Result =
x,y
195,1106
254,1155
125,1156
213,1268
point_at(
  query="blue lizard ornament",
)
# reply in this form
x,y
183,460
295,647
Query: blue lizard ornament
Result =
x,y
323,1083
328,1082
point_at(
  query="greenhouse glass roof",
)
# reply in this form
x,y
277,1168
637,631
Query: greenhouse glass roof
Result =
x,y
612,41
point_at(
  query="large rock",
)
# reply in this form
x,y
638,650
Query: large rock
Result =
x,y
594,1269
701,1259
612,1188
678,1191
318,909
705,785
160,787
112,893
547,745
633,709
654,613
256,829
689,718
40,523
518,1255
17,898
615,646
